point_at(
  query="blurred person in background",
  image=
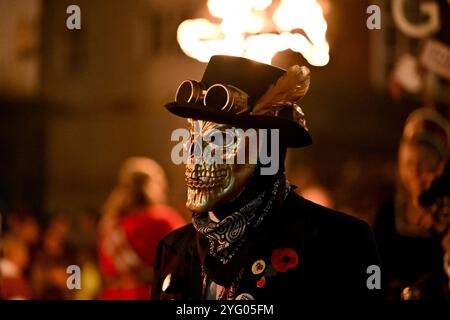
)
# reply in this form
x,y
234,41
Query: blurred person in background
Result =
x,y
49,277
403,228
14,262
435,285
24,225
135,219
84,239
91,281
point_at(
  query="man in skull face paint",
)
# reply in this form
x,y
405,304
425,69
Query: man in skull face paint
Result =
x,y
251,236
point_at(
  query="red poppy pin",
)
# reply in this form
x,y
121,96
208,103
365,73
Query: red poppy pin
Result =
x,y
261,282
284,259
281,261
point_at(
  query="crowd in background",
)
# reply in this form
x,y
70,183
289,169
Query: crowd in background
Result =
x,y
36,255
114,250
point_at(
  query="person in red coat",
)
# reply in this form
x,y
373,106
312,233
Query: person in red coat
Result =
x,y
135,219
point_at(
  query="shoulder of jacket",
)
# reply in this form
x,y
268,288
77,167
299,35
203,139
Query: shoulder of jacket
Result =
x,y
299,208
180,237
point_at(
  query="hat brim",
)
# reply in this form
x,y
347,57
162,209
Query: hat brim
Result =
x,y
292,134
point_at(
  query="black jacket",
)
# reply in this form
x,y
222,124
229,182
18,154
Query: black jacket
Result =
x,y
334,253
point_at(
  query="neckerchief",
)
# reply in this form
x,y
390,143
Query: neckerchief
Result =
x,y
223,239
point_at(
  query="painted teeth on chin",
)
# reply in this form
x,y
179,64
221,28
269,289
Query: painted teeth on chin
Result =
x,y
194,184
208,174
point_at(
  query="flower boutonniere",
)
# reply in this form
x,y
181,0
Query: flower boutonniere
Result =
x,y
284,259
281,261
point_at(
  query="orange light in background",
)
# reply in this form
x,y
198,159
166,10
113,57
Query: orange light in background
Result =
x,y
298,25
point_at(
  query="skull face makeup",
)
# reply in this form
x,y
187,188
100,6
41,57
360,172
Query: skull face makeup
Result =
x,y
211,182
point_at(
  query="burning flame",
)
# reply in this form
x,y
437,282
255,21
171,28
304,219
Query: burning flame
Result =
x,y
246,30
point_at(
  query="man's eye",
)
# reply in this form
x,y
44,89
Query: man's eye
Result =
x,y
223,139
214,141
228,139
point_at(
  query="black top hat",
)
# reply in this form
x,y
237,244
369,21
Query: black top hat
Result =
x,y
247,94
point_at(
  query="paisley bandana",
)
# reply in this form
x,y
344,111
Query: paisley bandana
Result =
x,y
227,236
